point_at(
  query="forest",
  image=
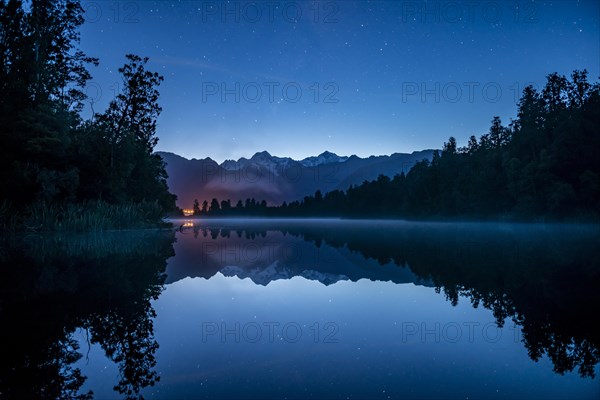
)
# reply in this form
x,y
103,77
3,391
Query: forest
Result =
x,y
543,165
59,171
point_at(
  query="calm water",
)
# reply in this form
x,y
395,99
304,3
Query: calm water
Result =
x,y
311,309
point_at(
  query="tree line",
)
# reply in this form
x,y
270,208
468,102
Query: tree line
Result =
x,y
48,153
544,164
224,207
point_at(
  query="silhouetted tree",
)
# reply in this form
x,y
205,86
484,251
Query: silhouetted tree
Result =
x,y
225,205
214,206
48,154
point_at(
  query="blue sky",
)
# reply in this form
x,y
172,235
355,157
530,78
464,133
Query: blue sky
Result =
x,y
364,78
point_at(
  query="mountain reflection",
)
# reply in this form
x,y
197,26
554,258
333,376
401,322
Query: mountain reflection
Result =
x,y
104,284
543,277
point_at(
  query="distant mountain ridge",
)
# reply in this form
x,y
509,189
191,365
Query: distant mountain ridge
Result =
x,y
277,179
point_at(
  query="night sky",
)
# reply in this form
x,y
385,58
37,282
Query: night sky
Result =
x,y
364,78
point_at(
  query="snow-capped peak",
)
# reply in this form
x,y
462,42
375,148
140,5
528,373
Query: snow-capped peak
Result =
x,y
261,160
326,157
273,163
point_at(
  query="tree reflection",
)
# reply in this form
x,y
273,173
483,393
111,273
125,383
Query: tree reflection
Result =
x,y
102,283
544,278
129,341
545,282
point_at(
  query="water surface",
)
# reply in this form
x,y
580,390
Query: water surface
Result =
x,y
304,309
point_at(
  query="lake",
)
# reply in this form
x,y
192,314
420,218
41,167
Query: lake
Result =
x,y
303,309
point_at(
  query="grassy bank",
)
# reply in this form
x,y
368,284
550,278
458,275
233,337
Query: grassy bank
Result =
x,y
81,217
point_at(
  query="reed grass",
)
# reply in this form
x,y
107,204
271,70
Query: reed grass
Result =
x,y
81,217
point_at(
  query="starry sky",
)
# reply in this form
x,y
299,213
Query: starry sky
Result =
x,y
297,78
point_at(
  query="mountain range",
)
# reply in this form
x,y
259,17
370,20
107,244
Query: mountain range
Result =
x,y
277,179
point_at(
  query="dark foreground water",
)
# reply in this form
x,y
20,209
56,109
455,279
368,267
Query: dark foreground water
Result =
x,y
303,309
